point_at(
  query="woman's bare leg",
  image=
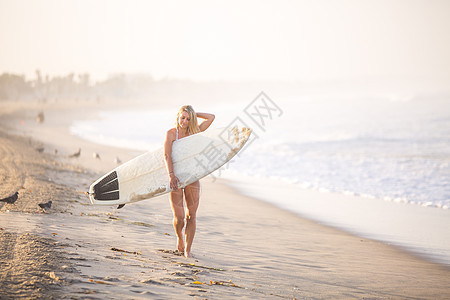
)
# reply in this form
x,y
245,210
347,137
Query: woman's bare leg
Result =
x,y
176,202
192,194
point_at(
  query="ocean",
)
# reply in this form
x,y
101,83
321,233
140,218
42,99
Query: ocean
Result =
x,y
377,149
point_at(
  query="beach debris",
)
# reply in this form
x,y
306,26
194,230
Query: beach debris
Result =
x,y
173,252
120,206
45,206
52,275
125,251
11,199
40,117
99,281
142,224
224,283
112,217
192,265
76,154
96,155
117,160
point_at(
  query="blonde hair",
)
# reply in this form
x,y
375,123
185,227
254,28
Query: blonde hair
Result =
x,y
193,124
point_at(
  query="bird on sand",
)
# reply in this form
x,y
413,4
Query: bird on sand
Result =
x,y
117,161
39,149
11,199
45,206
76,154
96,155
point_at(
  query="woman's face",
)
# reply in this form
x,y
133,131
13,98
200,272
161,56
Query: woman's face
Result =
x,y
184,119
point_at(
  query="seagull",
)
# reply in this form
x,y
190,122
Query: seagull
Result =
x,y
95,155
76,154
40,149
11,199
117,161
45,206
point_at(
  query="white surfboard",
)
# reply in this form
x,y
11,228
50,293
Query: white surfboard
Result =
x,y
145,176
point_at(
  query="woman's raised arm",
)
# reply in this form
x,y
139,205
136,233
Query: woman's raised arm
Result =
x,y
209,118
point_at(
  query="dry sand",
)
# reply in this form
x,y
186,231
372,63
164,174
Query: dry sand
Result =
x,y
244,248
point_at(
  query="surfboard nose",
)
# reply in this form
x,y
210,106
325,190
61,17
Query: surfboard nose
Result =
x,y
91,194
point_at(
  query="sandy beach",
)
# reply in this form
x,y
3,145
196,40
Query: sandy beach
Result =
x,y
244,248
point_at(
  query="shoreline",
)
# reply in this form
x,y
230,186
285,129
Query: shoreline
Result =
x,y
418,230
297,257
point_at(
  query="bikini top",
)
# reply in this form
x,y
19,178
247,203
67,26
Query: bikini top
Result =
x,y
176,138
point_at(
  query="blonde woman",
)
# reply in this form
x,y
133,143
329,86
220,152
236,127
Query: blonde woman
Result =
x,y
186,125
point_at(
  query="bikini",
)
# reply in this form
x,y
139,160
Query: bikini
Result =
x,y
176,138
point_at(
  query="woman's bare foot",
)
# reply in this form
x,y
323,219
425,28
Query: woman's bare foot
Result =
x,y
187,253
180,245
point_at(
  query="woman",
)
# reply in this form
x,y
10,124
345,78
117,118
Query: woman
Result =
x,y
186,125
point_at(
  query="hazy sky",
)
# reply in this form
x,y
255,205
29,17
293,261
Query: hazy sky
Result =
x,y
204,40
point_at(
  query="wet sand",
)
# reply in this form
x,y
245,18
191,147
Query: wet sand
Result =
x,y
243,247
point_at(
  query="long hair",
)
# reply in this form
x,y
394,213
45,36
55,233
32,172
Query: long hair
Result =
x,y
193,123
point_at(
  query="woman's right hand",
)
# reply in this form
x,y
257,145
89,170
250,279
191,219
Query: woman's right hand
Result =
x,y
173,182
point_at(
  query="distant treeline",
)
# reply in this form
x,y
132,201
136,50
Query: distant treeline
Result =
x,y
144,87
80,87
